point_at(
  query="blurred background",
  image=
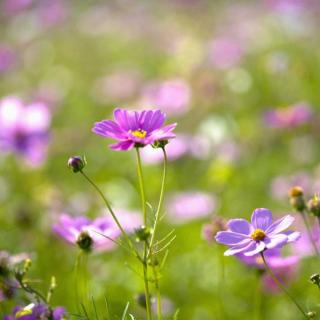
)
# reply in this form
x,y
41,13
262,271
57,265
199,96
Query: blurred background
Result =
x,y
241,79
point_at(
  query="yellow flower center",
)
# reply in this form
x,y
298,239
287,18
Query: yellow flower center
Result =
x,y
139,133
258,235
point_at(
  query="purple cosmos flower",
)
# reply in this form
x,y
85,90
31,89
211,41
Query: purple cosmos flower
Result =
x,y
186,206
255,237
134,128
288,117
86,233
24,129
35,312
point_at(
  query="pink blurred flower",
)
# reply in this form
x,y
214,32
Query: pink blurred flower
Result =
x,y
176,149
52,12
172,96
24,129
288,117
14,6
284,267
186,206
225,52
288,5
7,58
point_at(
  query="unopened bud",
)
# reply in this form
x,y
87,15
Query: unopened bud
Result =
x,y
142,233
315,279
297,198
84,241
314,206
311,315
160,144
76,163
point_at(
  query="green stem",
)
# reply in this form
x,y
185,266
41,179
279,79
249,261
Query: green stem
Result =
x,y
258,297
125,235
281,286
157,214
145,251
157,286
307,224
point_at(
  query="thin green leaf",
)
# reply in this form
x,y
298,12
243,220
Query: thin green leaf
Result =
x,y
125,311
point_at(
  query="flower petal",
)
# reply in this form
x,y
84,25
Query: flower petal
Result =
x,y
293,235
229,238
258,247
240,226
153,120
280,225
121,118
108,128
122,145
247,244
261,218
276,241
163,133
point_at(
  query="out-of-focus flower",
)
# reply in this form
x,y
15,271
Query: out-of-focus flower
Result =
x,y
288,117
24,129
86,233
8,285
35,312
284,267
52,12
281,184
288,5
225,52
172,96
175,150
186,206
135,128
7,58
120,85
14,6
255,237
210,230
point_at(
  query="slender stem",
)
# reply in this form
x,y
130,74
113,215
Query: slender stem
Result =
x,y
145,251
258,298
141,184
307,224
281,286
157,286
157,214
125,235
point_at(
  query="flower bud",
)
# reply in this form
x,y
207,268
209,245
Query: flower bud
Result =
x,y
297,198
315,279
142,233
160,144
314,206
311,315
84,241
76,163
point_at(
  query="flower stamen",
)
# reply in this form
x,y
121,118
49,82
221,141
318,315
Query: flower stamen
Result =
x,y
258,235
139,133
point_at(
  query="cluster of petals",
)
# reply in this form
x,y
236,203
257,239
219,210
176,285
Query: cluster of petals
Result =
x,y
134,128
259,235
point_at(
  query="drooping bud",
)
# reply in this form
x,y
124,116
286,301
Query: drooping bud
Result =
x,y
314,206
297,198
84,241
76,163
142,233
160,144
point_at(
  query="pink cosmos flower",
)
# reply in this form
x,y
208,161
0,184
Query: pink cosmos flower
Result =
x,y
173,95
186,206
259,235
24,129
288,117
135,128
86,233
